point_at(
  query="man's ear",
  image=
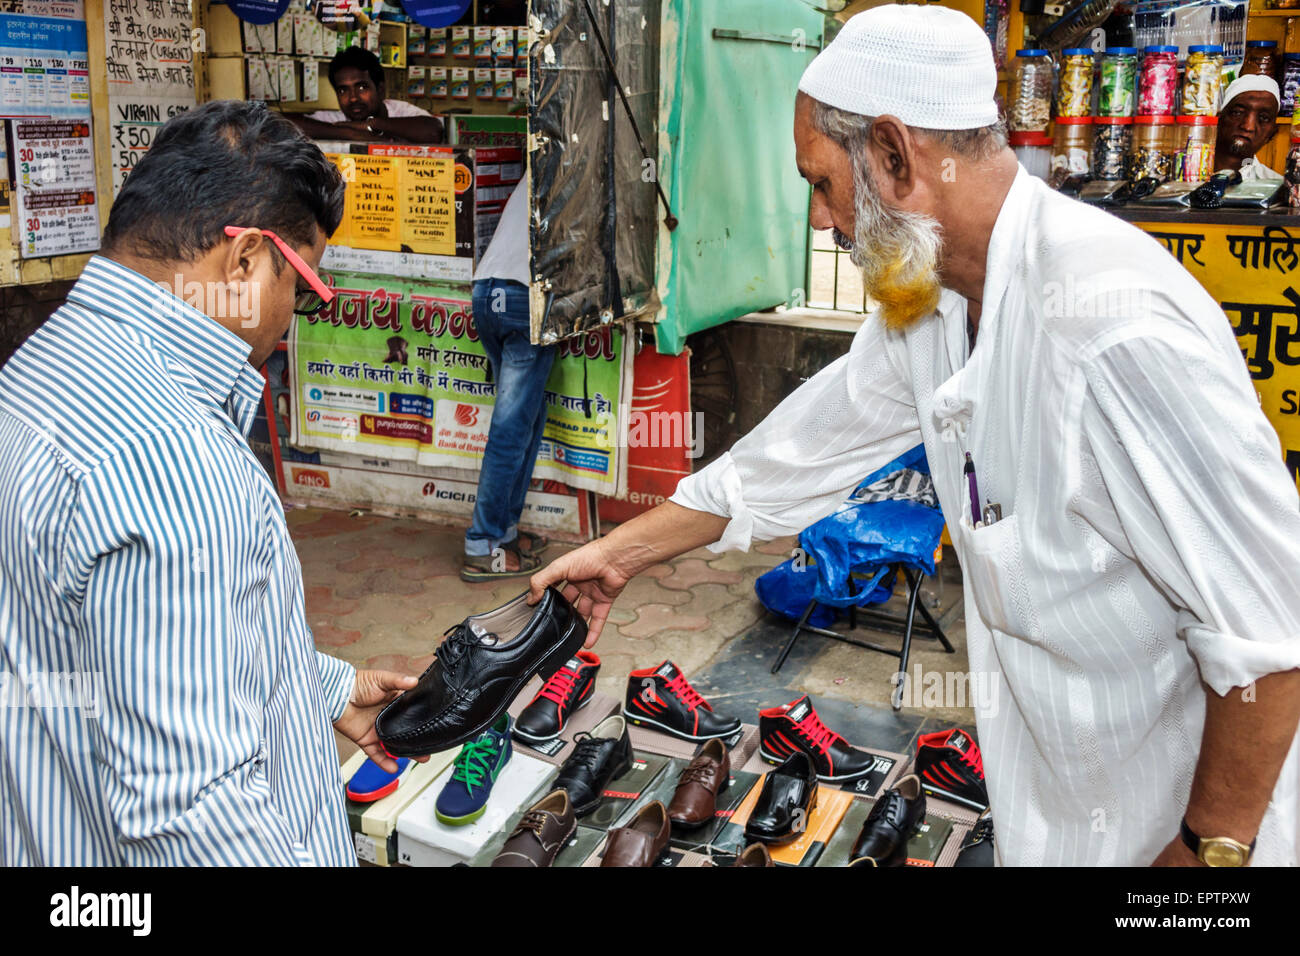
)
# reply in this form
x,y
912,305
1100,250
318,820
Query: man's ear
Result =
x,y
896,155
240,260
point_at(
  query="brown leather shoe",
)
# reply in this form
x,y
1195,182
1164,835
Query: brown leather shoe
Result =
x,y
696,797
640,842
540,833
754,855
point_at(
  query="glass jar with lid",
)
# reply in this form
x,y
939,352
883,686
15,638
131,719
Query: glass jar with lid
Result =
x,y
1152,155
1074,93
1262,58
1071,148
1117,81
1031,92
1203,80
1158,85
1194,162
1112,141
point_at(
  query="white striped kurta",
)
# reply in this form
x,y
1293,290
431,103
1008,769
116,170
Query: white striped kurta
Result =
x,y
143,547
1151,532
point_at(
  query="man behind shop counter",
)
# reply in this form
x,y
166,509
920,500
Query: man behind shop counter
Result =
x,y
1247,122
1135,599
149,576
364,114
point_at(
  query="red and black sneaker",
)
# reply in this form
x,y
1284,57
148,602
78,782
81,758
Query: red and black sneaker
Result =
x,y
951,768
662,699
569,689
796,726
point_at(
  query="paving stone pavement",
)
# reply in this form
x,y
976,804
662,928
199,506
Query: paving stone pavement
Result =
x,y
380,592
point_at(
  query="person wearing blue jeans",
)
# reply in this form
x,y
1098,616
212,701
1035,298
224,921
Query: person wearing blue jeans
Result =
x,y
494,546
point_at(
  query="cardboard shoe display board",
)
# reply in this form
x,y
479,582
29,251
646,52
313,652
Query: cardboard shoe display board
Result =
x,y
403,829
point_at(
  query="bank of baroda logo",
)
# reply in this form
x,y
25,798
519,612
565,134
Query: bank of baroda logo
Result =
x,y
466,415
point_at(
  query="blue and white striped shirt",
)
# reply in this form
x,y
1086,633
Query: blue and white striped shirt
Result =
x,y
144,549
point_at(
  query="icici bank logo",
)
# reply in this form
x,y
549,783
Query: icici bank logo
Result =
x,y
428,489
467,415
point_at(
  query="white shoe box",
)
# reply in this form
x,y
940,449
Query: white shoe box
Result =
x,y
423,840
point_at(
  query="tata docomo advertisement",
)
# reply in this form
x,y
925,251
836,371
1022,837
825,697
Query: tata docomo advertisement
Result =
x,y
391,381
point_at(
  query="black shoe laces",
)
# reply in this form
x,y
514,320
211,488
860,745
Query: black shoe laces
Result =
x,y
983,830
586,751
458,639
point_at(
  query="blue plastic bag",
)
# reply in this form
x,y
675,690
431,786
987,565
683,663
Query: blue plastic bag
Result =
x,y
848,557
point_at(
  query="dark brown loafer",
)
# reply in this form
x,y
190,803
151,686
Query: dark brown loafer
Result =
x,y
640,842
696,798
540,833
754,855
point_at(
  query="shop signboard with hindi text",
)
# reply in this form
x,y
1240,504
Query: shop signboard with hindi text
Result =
x,y
394,369
1254,274
149,50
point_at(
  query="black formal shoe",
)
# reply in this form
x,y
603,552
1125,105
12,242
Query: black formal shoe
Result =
x,y
796,726
894,820
662,699
479,670
569,690
597,758
786,802
977,848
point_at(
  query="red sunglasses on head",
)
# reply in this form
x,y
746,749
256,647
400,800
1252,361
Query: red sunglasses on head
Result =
x,y
309,302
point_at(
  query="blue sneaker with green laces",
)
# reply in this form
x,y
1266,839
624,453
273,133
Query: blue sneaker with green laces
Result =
x,y
465,795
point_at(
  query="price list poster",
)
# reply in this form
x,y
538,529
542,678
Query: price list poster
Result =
x,y
44,69
54,183
148,46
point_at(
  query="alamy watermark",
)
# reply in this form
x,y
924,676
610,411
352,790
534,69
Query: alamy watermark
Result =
x,y
683,430
949,689
62,690
220,300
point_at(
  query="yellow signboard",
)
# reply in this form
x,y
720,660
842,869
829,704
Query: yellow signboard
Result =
x,y
398,203
1253,272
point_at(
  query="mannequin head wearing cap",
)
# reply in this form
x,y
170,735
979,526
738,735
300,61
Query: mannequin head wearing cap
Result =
x,y
897,130
1248,119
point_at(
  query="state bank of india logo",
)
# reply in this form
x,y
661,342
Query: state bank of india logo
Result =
x,y
316,395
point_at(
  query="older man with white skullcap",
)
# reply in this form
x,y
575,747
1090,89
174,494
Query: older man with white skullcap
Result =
x,y
1135,605
1247,121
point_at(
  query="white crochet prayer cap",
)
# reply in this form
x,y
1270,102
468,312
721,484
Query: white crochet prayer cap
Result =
x,y
927,65
1251,83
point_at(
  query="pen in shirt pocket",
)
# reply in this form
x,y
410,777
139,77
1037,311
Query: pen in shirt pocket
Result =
x,y
992,512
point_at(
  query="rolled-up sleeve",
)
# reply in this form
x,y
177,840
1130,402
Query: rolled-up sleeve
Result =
x,y
336,678
804,459
1205,500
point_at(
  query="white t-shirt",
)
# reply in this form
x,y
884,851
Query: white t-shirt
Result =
x,y
1150,534
1253,169
507,254
397,109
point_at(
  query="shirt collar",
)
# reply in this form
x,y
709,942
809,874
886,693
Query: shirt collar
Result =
x,y
213,355
1006,245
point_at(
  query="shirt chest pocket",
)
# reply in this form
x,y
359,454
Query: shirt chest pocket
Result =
x,y
994,569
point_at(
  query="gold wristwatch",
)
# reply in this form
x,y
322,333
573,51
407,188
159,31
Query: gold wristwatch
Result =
x,y
1216,851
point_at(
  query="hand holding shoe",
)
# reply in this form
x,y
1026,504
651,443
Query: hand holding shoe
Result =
x,y
371,692
593,582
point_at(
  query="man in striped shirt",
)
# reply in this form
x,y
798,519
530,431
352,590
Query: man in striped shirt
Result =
x,y
146,571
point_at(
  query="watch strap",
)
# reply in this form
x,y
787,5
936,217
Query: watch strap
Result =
x,y
1193,841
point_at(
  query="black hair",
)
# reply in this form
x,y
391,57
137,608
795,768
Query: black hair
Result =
x,y
357,59
225,163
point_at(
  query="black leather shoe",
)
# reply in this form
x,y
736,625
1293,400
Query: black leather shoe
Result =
x,y
480,668
977,848
786,802
662,699
894,819
597,758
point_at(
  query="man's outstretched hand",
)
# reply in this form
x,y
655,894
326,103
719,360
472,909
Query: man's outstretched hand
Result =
x,y
593,582
371,694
